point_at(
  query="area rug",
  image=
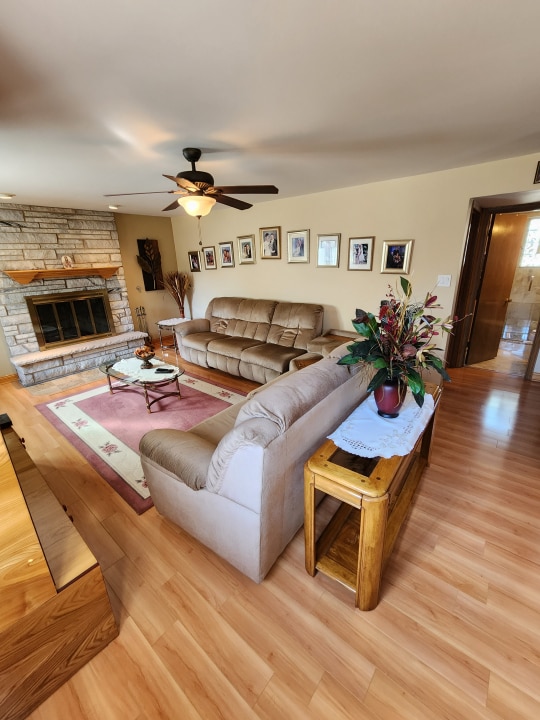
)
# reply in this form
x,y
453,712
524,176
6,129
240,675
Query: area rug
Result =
x,y
106,428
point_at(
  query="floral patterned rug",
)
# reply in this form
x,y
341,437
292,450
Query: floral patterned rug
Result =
x,y
106,429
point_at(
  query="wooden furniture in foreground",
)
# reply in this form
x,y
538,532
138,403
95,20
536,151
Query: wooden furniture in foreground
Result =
x,y
375,496
55,611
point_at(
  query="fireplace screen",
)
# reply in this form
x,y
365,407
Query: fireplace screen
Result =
x,y
70,317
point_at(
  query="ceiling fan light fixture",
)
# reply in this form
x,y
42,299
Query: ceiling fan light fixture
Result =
x,y
197,205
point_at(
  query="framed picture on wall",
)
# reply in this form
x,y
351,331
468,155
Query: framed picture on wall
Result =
x,y
246,249
360,253
270,238
226,254
396,256
328,250
194,261
209,256
298,246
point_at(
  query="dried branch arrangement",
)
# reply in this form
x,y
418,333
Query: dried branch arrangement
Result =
x,y
177,284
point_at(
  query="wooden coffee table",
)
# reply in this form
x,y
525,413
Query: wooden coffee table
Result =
x,y
375,495
133,377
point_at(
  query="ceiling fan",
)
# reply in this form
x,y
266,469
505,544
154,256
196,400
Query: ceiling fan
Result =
x,y
197,191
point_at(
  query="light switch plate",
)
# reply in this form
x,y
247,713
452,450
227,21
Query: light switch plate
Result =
x,y
444,280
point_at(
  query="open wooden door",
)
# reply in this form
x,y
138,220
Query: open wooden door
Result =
x,y
502,258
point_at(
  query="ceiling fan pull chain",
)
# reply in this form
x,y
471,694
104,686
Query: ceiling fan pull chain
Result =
x,y
200,234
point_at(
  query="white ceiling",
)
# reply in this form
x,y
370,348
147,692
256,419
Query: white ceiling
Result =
x,y
101,97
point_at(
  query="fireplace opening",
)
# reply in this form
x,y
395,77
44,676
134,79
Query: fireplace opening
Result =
x,y
67,318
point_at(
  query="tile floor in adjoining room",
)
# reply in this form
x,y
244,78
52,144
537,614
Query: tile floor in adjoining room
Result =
x,y
511,359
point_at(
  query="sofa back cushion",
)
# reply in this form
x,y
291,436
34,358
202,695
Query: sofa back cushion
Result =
x,y
241,317
295,324
289,398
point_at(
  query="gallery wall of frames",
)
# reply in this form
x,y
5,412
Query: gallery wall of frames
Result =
x,y
326,250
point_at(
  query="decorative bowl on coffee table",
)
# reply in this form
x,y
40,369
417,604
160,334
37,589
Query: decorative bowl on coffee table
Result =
x,y
145,353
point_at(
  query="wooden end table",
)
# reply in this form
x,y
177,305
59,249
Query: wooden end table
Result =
x,y
375,496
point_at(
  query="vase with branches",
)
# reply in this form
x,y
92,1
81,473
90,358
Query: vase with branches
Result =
x,y
398,343
177,284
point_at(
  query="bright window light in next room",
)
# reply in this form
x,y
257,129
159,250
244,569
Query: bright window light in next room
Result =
x,y
530,255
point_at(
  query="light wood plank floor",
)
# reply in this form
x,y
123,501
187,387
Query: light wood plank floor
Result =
x,y
456,634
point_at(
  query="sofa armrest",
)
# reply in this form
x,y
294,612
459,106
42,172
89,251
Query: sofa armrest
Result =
x,y
192,326
324,344
185,455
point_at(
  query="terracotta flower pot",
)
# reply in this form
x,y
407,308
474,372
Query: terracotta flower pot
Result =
x,y
389,398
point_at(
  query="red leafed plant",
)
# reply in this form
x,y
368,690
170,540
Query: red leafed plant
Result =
x,y
399,341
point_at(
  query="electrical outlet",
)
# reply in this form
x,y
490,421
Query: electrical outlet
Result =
x,y
444,280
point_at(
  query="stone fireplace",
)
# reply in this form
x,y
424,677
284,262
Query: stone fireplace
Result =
x,y
53,317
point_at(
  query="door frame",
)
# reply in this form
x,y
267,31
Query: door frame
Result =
x,y
529,371
481,218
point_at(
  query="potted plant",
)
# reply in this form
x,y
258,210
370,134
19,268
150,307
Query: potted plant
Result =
x,y
398,344
177,284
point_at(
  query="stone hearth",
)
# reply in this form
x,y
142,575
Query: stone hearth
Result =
x,y
38,367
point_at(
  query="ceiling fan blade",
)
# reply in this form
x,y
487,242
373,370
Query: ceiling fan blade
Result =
x,y
253,189
183,183
172,206
152,192
232,202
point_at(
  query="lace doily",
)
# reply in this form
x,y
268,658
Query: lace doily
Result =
x,y
368,434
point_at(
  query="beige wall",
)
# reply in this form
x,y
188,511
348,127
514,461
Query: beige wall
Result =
x,y
431,209
158,304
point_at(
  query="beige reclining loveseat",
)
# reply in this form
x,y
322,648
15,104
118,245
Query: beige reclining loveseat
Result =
x,y
254,339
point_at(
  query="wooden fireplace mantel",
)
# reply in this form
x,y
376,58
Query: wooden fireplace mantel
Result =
x,y
24,277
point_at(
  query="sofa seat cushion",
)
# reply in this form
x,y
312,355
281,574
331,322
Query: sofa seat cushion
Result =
x,y
231,346
214,428
200,341
270,355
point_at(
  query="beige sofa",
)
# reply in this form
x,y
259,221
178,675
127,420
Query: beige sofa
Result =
x,y
235,481
254,339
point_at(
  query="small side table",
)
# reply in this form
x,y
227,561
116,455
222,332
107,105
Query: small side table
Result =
x,y
375,495
168,325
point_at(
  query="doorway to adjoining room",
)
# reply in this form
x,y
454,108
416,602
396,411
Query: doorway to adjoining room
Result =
x,y
508,310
